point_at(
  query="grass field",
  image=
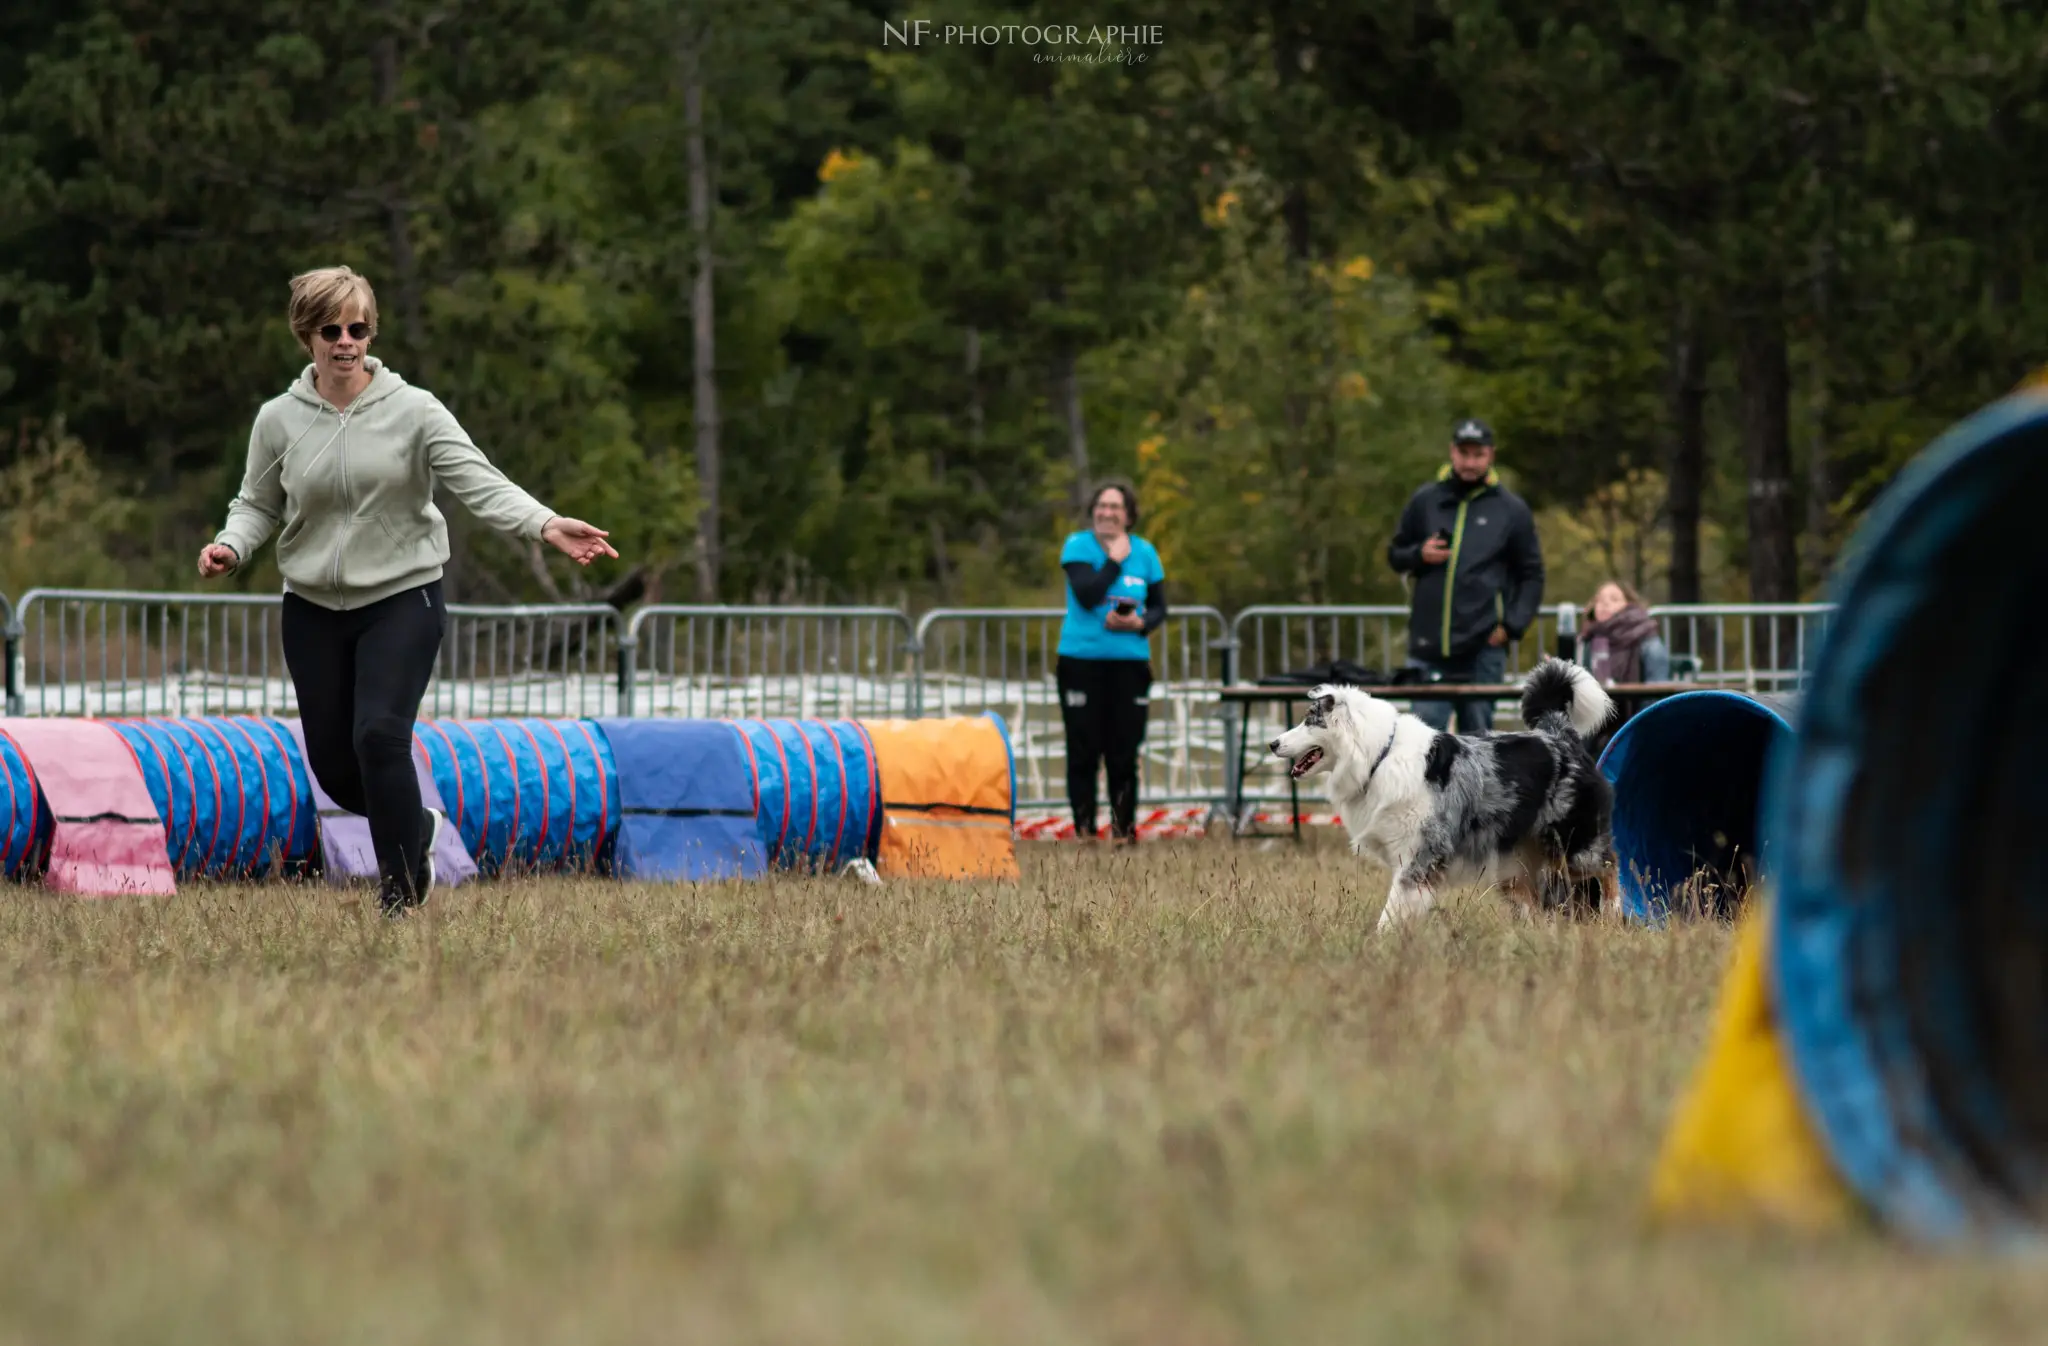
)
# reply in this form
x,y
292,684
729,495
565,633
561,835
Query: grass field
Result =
x,y
1180,1096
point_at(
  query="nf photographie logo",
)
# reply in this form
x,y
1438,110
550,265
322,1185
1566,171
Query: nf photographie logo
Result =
x,y
1076,42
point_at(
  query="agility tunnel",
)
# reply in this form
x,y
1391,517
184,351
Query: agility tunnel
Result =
x,y
664,800
92,827
1882,1046
688,801
346,850
27,818
818,784
232,793
1687,773
736,798
948,791
525,795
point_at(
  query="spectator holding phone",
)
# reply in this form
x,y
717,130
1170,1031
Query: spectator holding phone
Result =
x,y
1116,598
1470,545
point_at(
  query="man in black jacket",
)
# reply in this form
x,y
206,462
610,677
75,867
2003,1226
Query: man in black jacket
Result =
x,y
1470,544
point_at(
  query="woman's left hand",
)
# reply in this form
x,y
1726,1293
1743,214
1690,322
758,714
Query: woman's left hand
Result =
x,y
579,541
1124,621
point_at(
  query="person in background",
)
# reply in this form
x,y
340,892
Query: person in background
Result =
x,y
1620,641
341,468
1470,545
1116,598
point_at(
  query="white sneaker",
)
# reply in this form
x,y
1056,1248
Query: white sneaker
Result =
x,y
436,821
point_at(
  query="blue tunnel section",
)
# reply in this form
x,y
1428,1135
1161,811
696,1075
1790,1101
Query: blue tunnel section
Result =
x,y
526,795
1909,883
1686,772
819,788
689,800
861,829
27,818
232,793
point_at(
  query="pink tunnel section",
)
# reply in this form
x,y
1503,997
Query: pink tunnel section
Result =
x,y
108,839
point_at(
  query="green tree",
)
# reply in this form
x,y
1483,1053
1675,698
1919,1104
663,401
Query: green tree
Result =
x,y
1294,410
172,170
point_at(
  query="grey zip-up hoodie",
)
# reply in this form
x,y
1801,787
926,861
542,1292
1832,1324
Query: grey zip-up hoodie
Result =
x,y
354,490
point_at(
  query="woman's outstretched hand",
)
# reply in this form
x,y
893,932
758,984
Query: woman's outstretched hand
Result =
x,y
579,541
217,559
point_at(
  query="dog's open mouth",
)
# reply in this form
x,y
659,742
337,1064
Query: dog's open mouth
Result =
x,y
1305,763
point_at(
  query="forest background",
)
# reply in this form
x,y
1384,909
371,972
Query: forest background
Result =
x,y
807,302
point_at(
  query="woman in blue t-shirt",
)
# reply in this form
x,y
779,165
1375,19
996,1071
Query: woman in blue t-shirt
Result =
x,y
1116,598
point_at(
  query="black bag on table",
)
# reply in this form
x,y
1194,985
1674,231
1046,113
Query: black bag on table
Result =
x,y
1343,672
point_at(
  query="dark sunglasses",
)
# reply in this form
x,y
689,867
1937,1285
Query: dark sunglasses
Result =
x,y
357,330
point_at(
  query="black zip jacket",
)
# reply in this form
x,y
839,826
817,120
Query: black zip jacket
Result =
x,y
1495,559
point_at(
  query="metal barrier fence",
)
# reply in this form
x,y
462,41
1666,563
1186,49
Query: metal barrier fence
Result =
x,y
1786,634
1270,640
548,662
1006,660
1276,639
757,662
113,653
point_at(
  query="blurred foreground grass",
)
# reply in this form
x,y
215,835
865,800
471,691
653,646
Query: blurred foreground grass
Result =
x,y
1179,1096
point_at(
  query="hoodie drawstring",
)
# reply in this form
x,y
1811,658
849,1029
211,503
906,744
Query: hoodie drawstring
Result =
x,y
341,417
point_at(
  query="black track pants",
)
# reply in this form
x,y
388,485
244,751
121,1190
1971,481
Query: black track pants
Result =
x,y
360,676
1104,703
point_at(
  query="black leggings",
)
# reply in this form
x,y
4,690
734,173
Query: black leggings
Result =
x,y
360,676
1104,703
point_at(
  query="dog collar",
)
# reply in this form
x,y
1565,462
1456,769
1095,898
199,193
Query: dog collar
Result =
x,y
1383,754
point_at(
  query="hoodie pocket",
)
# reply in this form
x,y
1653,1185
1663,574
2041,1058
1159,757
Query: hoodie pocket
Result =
x,y
399,540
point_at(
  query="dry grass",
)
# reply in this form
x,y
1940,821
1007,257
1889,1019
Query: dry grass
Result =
x,y
1182,1097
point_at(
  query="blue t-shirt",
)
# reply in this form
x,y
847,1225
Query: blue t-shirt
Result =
x,y
1084,634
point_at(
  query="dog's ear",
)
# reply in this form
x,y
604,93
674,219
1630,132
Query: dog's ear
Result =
x,y
1321,701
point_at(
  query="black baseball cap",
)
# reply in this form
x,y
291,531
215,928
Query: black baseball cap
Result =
x,y
1472,430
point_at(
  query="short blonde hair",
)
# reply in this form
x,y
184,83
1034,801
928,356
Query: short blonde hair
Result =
x,y
318,298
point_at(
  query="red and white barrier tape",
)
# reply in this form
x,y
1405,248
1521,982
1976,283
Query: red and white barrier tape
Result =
x,y
1158,823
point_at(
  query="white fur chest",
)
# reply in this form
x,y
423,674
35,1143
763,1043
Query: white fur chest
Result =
x,y
1383,810
1385,834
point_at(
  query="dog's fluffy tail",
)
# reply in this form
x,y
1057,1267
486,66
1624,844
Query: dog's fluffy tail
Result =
x,y
1568,691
